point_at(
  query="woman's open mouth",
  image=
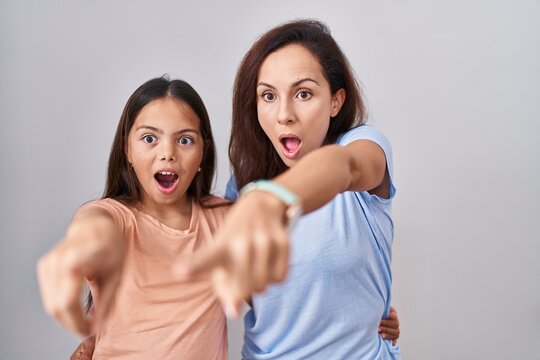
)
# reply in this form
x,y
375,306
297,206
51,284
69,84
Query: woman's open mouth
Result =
x,y
167,181
290,145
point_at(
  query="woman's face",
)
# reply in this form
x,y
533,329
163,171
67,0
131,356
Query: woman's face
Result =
x,y
294,102
165,148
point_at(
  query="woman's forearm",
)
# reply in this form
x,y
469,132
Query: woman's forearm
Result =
x,y
321,175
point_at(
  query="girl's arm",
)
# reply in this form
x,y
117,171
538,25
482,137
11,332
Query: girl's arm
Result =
x,y
251,248
85,350
389,328
92,249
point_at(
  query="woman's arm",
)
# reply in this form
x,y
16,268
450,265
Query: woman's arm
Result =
x,y
92,249
251,248
333,169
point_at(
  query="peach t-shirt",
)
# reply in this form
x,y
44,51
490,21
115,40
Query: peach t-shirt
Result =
x,y
154,315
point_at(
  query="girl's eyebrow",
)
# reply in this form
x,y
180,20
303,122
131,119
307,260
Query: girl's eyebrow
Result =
x,y
294,84
159,131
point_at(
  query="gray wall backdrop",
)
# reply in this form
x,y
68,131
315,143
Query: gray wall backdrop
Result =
x,y
455,85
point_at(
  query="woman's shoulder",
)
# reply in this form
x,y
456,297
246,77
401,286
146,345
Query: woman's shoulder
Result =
x,y
362,132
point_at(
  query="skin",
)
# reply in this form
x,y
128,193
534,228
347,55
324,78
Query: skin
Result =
x,y
252,248
292,90
165,135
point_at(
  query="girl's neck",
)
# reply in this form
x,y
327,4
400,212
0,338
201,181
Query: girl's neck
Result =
x,y
176,216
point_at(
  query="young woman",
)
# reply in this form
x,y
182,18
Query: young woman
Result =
x,y
298,119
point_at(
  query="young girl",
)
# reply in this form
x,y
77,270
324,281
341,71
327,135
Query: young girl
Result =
x,y
298,119
156,209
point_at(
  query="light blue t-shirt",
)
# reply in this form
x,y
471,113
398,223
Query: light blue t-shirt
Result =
x,y
338,285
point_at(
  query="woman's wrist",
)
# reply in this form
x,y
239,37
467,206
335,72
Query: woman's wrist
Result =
x,y
290,202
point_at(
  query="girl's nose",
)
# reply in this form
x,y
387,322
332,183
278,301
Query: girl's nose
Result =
x,y
167,153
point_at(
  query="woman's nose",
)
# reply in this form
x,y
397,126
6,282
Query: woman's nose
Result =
x,y
285,115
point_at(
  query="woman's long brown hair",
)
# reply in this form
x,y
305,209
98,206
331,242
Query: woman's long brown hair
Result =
x,y
251,153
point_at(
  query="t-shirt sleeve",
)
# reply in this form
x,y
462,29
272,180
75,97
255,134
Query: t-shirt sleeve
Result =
x,y
366,132
120,213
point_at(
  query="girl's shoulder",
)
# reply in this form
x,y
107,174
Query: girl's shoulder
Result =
x,y
109,204
214,208
121,212
212,201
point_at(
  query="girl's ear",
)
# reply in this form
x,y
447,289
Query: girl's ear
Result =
x,y
337,101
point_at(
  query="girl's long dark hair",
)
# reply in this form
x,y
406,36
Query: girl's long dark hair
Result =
x,y
251,153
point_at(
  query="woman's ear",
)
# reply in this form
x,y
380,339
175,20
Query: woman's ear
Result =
x,y
337,101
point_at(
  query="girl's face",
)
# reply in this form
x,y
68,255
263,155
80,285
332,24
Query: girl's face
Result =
x,y
294,102
165,148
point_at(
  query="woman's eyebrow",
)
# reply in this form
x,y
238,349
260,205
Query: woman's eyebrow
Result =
x,y
265,84
294,84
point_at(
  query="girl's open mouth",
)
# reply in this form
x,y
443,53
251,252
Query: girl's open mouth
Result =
x,y
166,181
290,145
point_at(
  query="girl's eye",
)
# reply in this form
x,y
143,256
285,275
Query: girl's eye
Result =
x,y
304,95
268,96
149,139
185,141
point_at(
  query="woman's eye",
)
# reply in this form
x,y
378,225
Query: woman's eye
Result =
x,y
185,141
268,97
149,139
304,95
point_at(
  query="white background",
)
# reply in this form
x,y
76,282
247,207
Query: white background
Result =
x,y
455,85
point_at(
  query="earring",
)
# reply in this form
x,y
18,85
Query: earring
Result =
x,y
199,169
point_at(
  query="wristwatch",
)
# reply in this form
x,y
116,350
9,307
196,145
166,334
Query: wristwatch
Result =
x,y
294,209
